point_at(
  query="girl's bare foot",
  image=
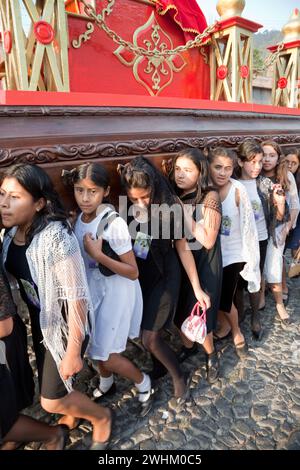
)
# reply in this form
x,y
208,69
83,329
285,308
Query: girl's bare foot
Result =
x,y
282,312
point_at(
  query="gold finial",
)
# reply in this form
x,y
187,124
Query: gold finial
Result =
x,y
291,30
230,8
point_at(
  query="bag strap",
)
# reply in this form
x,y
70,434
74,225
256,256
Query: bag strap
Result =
x,y
196,311
107,218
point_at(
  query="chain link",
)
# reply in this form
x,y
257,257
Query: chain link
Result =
x,y
100,21
269,60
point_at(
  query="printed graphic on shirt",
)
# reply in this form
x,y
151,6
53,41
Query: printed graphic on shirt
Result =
x,y
256,209
226,225
31,293
141,245
93,264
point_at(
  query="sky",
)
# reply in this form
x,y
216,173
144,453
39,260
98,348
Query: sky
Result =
x,y
256,10
272,14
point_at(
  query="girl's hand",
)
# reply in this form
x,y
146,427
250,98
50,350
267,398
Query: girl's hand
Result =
x,y
70,365
203,299
92,247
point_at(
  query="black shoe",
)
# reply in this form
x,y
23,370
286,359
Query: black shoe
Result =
x,y
185,352
98,393
256,325
212,367
104,445
146,406
176,402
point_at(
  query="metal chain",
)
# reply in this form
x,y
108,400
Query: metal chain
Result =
x,y
99,20
270,59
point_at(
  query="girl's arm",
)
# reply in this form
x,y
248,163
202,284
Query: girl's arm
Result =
x,y
207,231
126,267
189,265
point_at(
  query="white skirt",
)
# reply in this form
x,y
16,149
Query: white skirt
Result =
x,y
274,263
118,308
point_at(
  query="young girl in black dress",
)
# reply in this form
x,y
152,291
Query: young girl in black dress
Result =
x,y
156,232
192,183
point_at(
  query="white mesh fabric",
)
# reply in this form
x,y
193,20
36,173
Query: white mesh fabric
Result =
x,y
57,269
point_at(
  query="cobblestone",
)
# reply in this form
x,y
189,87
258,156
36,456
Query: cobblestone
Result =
x,y
254,405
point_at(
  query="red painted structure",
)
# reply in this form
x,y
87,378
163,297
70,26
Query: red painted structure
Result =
x,y
94,67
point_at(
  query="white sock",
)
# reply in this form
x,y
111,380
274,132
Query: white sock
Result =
x,y
144,386
106,382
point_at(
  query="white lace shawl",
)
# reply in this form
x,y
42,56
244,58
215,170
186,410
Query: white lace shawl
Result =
x,y
293,197
250,244
57,268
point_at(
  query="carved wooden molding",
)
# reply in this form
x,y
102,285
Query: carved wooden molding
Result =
x,y
34,111
117,149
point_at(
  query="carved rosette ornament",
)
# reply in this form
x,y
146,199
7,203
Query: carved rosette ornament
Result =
x,y
154,73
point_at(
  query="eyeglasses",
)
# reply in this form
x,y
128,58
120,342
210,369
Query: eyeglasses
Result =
x,y
292,163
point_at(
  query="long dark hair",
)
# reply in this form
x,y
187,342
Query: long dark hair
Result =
x,y
93,171
204,184
141,173
281,172
37,183
246,152
213,153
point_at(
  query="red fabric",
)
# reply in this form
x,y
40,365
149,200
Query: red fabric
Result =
x,y
186,13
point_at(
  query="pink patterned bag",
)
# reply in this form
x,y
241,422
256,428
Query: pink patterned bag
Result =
x,y
194,326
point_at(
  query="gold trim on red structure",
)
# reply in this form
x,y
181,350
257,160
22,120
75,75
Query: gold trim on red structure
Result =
x,y
163,11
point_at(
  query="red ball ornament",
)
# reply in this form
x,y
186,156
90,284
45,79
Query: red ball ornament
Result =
x,y
44,32
7,41
244,71
222,72
282,83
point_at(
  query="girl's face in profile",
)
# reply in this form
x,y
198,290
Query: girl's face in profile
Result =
x,y
140,197
292,162
89,196
186,175
270,158
17,205
221,170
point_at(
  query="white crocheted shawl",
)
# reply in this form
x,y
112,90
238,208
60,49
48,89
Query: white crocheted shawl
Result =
x,y
250,244
57,269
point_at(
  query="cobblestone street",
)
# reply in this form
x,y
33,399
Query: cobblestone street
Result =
x,y
254,405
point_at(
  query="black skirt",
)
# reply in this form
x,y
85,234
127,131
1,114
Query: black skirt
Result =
x,y
160,288
209,268
16,385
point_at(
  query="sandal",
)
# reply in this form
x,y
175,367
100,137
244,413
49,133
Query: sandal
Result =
x,y
212,367
241,349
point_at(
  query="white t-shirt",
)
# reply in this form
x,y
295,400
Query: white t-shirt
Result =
x,y
258,211
231,239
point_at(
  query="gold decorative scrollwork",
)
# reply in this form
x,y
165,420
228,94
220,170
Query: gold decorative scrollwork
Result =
x,y
154,72
76,43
